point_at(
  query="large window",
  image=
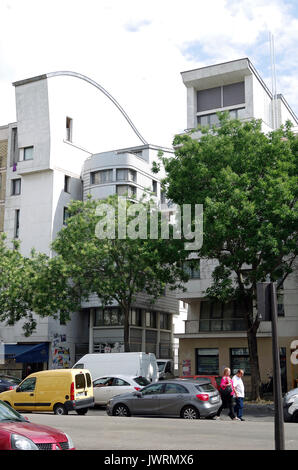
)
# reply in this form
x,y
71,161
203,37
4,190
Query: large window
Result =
x,y
28,153
136,317
217,316
110,316
125,174
126,190
101,177
220,97
211,119
239,360
207,361
150,319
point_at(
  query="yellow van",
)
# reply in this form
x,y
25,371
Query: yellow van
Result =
x,y
58,390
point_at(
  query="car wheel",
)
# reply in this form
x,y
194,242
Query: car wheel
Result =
x,y
60,409
189,412
83,411
121,410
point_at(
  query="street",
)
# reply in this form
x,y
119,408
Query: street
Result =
x,y
97,431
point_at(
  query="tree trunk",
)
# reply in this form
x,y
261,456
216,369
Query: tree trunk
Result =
x,y
252,328
126,329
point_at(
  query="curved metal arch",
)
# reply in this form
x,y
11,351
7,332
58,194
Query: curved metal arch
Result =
x,y
105,92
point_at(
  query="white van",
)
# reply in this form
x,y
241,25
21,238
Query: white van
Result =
x,y
135,364
165,369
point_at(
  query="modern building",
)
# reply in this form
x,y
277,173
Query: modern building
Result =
x,y
57,118
215,334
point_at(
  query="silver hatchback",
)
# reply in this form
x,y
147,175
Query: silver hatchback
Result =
x,y
188,399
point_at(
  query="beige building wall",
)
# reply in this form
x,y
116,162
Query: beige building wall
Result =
x,y
187,351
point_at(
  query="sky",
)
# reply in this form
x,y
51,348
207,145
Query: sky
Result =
x,y
137,49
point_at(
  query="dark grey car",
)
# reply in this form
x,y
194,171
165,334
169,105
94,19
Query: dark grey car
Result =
x,y
188,399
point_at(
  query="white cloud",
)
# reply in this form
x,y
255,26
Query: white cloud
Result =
x,y
137,49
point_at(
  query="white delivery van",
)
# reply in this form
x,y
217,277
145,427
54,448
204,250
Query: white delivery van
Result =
x,y
165,369
136,364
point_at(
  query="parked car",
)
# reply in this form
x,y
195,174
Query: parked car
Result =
x,y
58,390
291,406
189,399
8,382
16,432
214,379
105,388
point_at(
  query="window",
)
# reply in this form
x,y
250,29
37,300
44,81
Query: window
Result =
x,y
16,187
207,362
111,316
80,381
103,382
154,186
0,177
164,321
125,174
28,153
14,146
67,184
17,223
102,176
27,386
220,97
192,268
141,381
150,319
217,316
280,305
136,317
155,389
69,129
66,215
174,389
239,360
126,190
120,382
88,380
205,388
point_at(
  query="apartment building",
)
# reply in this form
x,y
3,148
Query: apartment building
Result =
x,y
59,118
215,334
3,165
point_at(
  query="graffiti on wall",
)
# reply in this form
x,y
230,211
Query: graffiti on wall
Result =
x,y
60,352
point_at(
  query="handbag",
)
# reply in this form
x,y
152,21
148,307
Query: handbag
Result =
x,y
225,392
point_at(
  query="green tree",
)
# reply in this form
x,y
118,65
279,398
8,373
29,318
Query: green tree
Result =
x,y
247,182
33,284
115,268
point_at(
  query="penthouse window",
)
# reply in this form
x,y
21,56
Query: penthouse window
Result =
x,y
220,97
101,177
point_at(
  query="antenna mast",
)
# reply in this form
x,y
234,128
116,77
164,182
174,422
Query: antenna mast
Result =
x,y
273,81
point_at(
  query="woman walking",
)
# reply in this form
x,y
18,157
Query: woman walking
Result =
x,y
227,392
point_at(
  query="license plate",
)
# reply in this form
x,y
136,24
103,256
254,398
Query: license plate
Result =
x,y
80,394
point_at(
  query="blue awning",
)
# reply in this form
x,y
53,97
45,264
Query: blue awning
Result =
x,y
27,352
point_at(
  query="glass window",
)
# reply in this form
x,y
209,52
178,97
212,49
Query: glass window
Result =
x,y
240,360
209,99
125,190
192,268
120,382
9,414
88,380
233,94
154,186
151,319
66,215
205,388
101,177
28,153
207,361
126,174
27,385
175,388
67,184
103,382
141,381
80,381
153,389
17,223
16,187
136,316
69,122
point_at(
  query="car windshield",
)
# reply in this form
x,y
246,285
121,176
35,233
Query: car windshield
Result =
x,y
8,414
141,381
161,366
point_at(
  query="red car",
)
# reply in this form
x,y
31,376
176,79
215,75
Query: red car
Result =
x,y
17,433
214,379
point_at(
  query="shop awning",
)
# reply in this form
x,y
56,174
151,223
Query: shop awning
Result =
x,y
27,352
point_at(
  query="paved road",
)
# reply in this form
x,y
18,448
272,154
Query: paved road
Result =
x,y
98,431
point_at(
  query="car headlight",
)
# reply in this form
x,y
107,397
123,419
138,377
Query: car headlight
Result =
x,y
22,443
70,441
